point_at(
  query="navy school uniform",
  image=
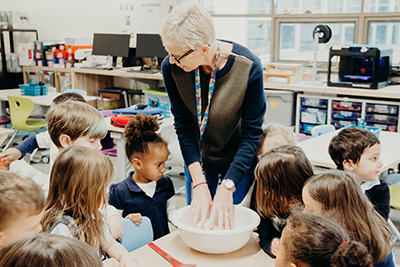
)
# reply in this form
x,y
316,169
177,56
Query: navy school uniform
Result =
x,y
130,198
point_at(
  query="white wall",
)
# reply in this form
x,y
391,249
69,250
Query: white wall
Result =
x,y
56,19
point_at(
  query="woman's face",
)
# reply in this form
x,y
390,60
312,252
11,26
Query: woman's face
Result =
x,y
189,62
311,206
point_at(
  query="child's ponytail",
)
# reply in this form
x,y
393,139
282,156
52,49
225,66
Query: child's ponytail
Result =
x,y
351,253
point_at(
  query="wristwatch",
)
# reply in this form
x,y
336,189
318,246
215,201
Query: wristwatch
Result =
x,y
229,184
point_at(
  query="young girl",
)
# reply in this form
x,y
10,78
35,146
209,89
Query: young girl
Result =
x,y
338,196
49,250
314,241
78,183
280,175
145,192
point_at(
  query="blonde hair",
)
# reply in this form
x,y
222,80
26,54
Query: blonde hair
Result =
x,y
75,119
276,134
280,175
78,182
188,26
18,194
343,200
49,250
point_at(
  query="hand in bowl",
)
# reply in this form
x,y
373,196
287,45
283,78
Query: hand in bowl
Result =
x,y
222,208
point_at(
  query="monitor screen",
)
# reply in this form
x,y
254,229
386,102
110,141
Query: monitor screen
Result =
x,y
116,45
149,45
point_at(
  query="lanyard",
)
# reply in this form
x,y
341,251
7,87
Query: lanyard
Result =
x,y
203,121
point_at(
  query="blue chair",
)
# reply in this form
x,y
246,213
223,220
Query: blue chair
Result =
x,y
135,236
322,129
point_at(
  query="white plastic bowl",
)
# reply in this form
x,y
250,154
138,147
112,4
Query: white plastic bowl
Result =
x,y
217,241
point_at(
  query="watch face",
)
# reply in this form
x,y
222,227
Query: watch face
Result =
x,y
229,184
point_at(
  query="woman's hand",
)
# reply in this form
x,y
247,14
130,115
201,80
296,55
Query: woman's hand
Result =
x,y
135,217
200,206
222,208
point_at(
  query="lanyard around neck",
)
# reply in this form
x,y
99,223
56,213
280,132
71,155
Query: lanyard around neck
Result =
x,y
203,121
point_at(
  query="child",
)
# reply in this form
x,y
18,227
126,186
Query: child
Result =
x,y
274,135
21,207
145,192
336,194
41,140
78,185
73,123
49,250
358,151
314,241
280,175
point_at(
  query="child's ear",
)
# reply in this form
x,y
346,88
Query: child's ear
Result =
x,y
65,140
348,165
137,164
1,239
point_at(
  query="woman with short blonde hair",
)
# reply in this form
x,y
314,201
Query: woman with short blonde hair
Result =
x,y
217,98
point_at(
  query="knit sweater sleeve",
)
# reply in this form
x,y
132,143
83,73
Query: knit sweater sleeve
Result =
x,y
28,145
254,106
183,122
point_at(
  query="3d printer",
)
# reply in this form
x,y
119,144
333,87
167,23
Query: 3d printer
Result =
x,y
361,67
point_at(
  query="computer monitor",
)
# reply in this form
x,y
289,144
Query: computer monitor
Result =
x,y
115,45
150,45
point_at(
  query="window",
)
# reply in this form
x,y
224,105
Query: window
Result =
x,y
385,34
317,6
237,6
299,44
382,6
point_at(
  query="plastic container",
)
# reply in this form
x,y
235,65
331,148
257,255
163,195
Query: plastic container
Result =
x,y
217,241
346,115
33,88
344,105
342,123
378,118
280,107
314,102
384,127
313,115
306,128
382,109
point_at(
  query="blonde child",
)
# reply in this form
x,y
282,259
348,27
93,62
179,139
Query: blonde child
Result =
x,y
314,241
21,207
274,135
41,140
145,192
358,151
337,195
280,176
49,250
78,185
74,123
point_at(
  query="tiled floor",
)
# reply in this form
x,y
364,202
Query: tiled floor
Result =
x,y
178,182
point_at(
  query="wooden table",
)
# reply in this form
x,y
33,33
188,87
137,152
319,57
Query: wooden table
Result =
x,y
43,100
249,255
316,149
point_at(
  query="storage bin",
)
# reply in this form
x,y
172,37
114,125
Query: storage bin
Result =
x,y
306,128
345,105
346,115
342,123
384,127
33,89
382,109
280,107
378,118
313,115
314,102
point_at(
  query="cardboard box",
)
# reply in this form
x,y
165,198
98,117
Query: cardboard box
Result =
x,y
110,103
25,52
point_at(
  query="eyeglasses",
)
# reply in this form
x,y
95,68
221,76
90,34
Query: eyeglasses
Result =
x,y
181,57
